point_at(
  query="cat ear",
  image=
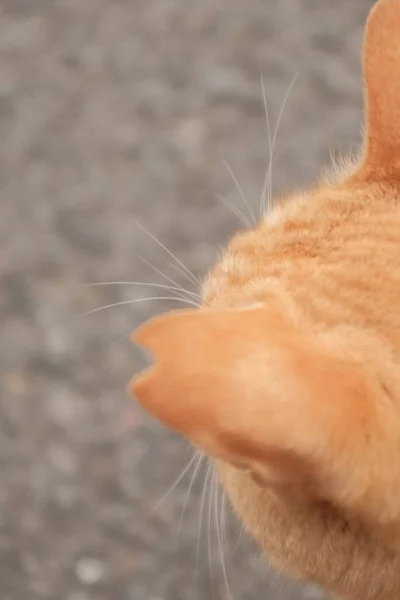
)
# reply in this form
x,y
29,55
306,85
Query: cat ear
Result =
x,y
382,90
249,389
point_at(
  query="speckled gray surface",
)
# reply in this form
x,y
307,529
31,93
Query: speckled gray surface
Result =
x,y
114,111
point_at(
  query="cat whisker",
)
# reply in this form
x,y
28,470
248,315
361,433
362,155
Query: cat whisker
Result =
x,y
218,518
239,537
286,98
149,264
235,211
120,340
210,509
172,298
223,519
202,503
145,284
200,458
263,196
185,272
266,203
278,122
178,480
237,184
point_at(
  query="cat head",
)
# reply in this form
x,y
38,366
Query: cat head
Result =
x,y
299,402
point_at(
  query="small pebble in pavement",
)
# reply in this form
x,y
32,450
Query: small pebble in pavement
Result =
x,y
89,570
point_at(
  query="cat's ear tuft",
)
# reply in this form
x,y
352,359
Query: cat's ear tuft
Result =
x,y
382,92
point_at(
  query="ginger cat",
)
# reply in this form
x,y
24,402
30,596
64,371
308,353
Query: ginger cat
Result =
x,y
289,376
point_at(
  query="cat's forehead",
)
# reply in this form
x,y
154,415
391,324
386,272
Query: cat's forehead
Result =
x,y
248,251
237,278
233,266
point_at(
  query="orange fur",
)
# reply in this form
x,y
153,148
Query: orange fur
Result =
x,y
289,377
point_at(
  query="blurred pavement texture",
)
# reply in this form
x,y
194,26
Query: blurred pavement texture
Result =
x,y
114,111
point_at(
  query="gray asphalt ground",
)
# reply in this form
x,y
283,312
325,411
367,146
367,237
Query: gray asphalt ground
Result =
x,y
116,111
